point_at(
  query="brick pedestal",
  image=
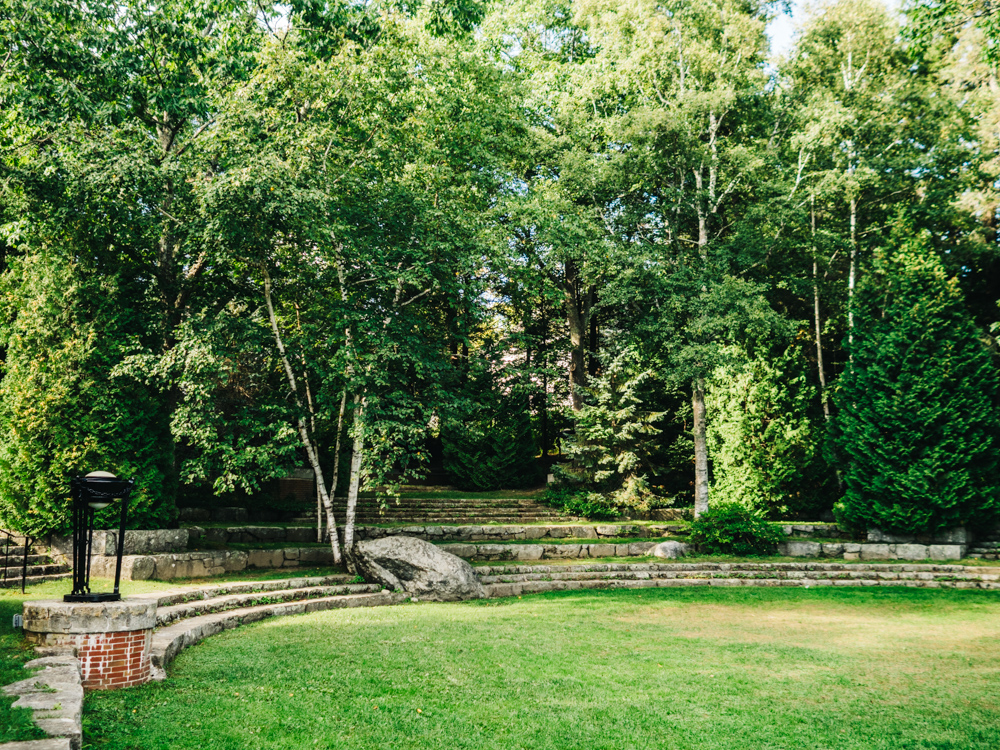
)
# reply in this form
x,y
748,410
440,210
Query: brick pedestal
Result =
x,y
112,639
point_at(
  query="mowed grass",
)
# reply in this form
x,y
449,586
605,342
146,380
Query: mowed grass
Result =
x,y
693,668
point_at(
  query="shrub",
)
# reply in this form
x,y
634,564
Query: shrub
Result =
x,y
734,529
579,502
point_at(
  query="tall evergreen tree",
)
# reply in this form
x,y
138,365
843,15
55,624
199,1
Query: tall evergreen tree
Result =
x,y
918,423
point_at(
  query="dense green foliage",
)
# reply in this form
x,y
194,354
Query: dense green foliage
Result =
x,y
240,239
767,438
734,529
494,447
919,418
702,668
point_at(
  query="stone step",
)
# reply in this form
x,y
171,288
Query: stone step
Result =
x,y
532,587
737,567
171,640
44,569
743,575
13,582
446,520
173,613
15,561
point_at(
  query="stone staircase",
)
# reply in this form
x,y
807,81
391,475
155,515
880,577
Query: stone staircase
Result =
x,y
41,567
186,616
514,580
986,546
446,511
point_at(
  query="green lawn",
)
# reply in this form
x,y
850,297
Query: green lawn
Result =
x,y
712,669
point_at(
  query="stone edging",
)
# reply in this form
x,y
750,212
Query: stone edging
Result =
x,y
55,696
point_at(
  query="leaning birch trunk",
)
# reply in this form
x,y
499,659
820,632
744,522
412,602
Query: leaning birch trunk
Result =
x,y
819,327
354,486
303,429
700,448
336,456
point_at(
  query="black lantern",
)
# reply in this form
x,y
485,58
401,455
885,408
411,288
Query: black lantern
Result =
x,y
91,493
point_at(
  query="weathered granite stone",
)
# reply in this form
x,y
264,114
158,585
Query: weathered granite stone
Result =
x,y
53,743
418,568
193,514
608,531
802,549
54,616
909,551
670,550
875,552
300,534
946,551
141,542
602,550
265,558
559,532
459,550
832,549
529,551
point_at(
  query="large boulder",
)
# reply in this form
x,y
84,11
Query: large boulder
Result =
x,y
670,550
405,563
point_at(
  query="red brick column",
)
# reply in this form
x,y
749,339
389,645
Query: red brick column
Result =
x,y
112,639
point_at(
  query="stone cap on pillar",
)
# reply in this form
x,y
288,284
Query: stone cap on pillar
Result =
x,y
54,616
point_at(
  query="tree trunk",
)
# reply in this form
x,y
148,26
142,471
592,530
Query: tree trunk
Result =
x,y
357,451
852,276
303,429
578,321
700,448
819,327
594,337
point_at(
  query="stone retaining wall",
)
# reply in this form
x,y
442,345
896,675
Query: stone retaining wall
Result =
x,y
547,551
207,564
859,551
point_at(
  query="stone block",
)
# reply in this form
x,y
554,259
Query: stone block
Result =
x,y
528,552
562,550
621,550
316,555
946,551
536,532
635,549
465,551
803,549
956,535
53,616
301,534
140,542
53,743
559,532
217,535
584,532
607,531
265,558
232,562
910,551
852,555
832,549
193,514
875,552
493,552
229,515
602,550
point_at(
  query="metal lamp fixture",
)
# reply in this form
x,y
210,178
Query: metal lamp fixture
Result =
x,y
91,493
